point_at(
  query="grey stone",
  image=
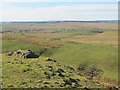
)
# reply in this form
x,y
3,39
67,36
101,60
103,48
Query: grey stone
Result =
x,y
28,54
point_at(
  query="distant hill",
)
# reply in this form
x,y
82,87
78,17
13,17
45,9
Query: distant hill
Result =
x,y
59,21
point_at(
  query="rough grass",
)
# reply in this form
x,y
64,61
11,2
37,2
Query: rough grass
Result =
x,y
47,35
103,56
33,73
75,54
31,40
110,37
89,50
11,45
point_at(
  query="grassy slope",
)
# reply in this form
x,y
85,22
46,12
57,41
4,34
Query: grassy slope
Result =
x,y
10,45
103,56
33,73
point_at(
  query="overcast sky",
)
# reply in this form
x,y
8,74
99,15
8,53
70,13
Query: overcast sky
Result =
x,y
37,10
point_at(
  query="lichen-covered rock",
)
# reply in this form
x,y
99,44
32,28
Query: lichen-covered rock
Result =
x,y
25,54
9,53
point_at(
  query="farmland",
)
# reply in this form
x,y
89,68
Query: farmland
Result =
x,y
74,44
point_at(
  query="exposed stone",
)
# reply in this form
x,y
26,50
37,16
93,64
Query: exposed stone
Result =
x,y
51,60
61,75
37,64
46,83
10,86
48,67
9,53
68,67
72,80
25,54
60,70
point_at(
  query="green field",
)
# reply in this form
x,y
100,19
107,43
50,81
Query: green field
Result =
x,y
74,45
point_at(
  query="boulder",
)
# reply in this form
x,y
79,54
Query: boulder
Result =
x,y
51,60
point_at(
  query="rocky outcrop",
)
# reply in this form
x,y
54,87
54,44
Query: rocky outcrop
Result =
x,y
26,54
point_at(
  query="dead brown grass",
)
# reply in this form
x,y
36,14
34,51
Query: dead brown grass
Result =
x,y
32,40
109,38
48,35
115,43
106,82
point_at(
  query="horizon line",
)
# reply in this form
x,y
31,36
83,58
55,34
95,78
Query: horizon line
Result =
x,y
60,20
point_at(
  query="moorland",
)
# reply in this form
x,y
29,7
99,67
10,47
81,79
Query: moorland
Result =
x,y
71,55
